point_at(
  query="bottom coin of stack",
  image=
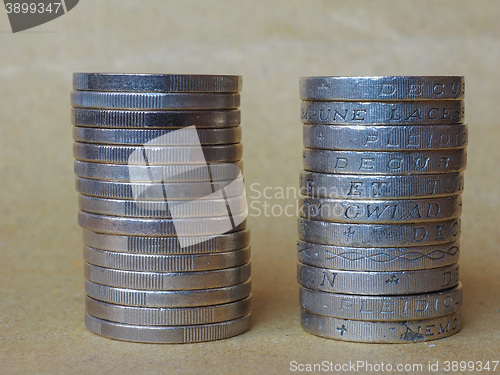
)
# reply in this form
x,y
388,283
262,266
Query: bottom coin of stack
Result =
x,y
149,289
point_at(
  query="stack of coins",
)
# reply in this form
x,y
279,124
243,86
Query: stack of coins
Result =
x,y
162,206
380,207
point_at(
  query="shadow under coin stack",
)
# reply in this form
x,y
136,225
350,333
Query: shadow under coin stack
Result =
x,y
380,207
162,206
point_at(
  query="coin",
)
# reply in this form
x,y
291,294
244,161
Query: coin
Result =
x,y
160,209
167,280
159,316
168,334
378,258
384,162
377,283
162,227
168,298
167,245
442,112
156,136
155,190
386,88
382,308
352,186
147,155
385,137
150,100
379,235
380,211
105,118
166,263
402,332
159,173
157,82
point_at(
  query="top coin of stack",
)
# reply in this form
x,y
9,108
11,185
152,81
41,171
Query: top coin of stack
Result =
x,y
380,221
163,206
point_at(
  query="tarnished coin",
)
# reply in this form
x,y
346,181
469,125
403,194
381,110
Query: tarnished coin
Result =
x,y
352,186
402,332
167,280
151,155
384,162
378,258
378,283
385,137
379,235
380,211
170,298
168,334
202,83
157,136
382,308
384,88
166,316
443,112
167,245
108,118
153,100
166,263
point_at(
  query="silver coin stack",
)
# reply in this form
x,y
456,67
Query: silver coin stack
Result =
x,y
380,207
162,206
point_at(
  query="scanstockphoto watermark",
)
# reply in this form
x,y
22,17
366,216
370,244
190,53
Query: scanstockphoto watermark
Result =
x,y
357,366
292,201
320,203
26,14
274,201
382,367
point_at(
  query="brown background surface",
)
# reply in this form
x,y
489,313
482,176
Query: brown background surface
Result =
x,y
271,44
